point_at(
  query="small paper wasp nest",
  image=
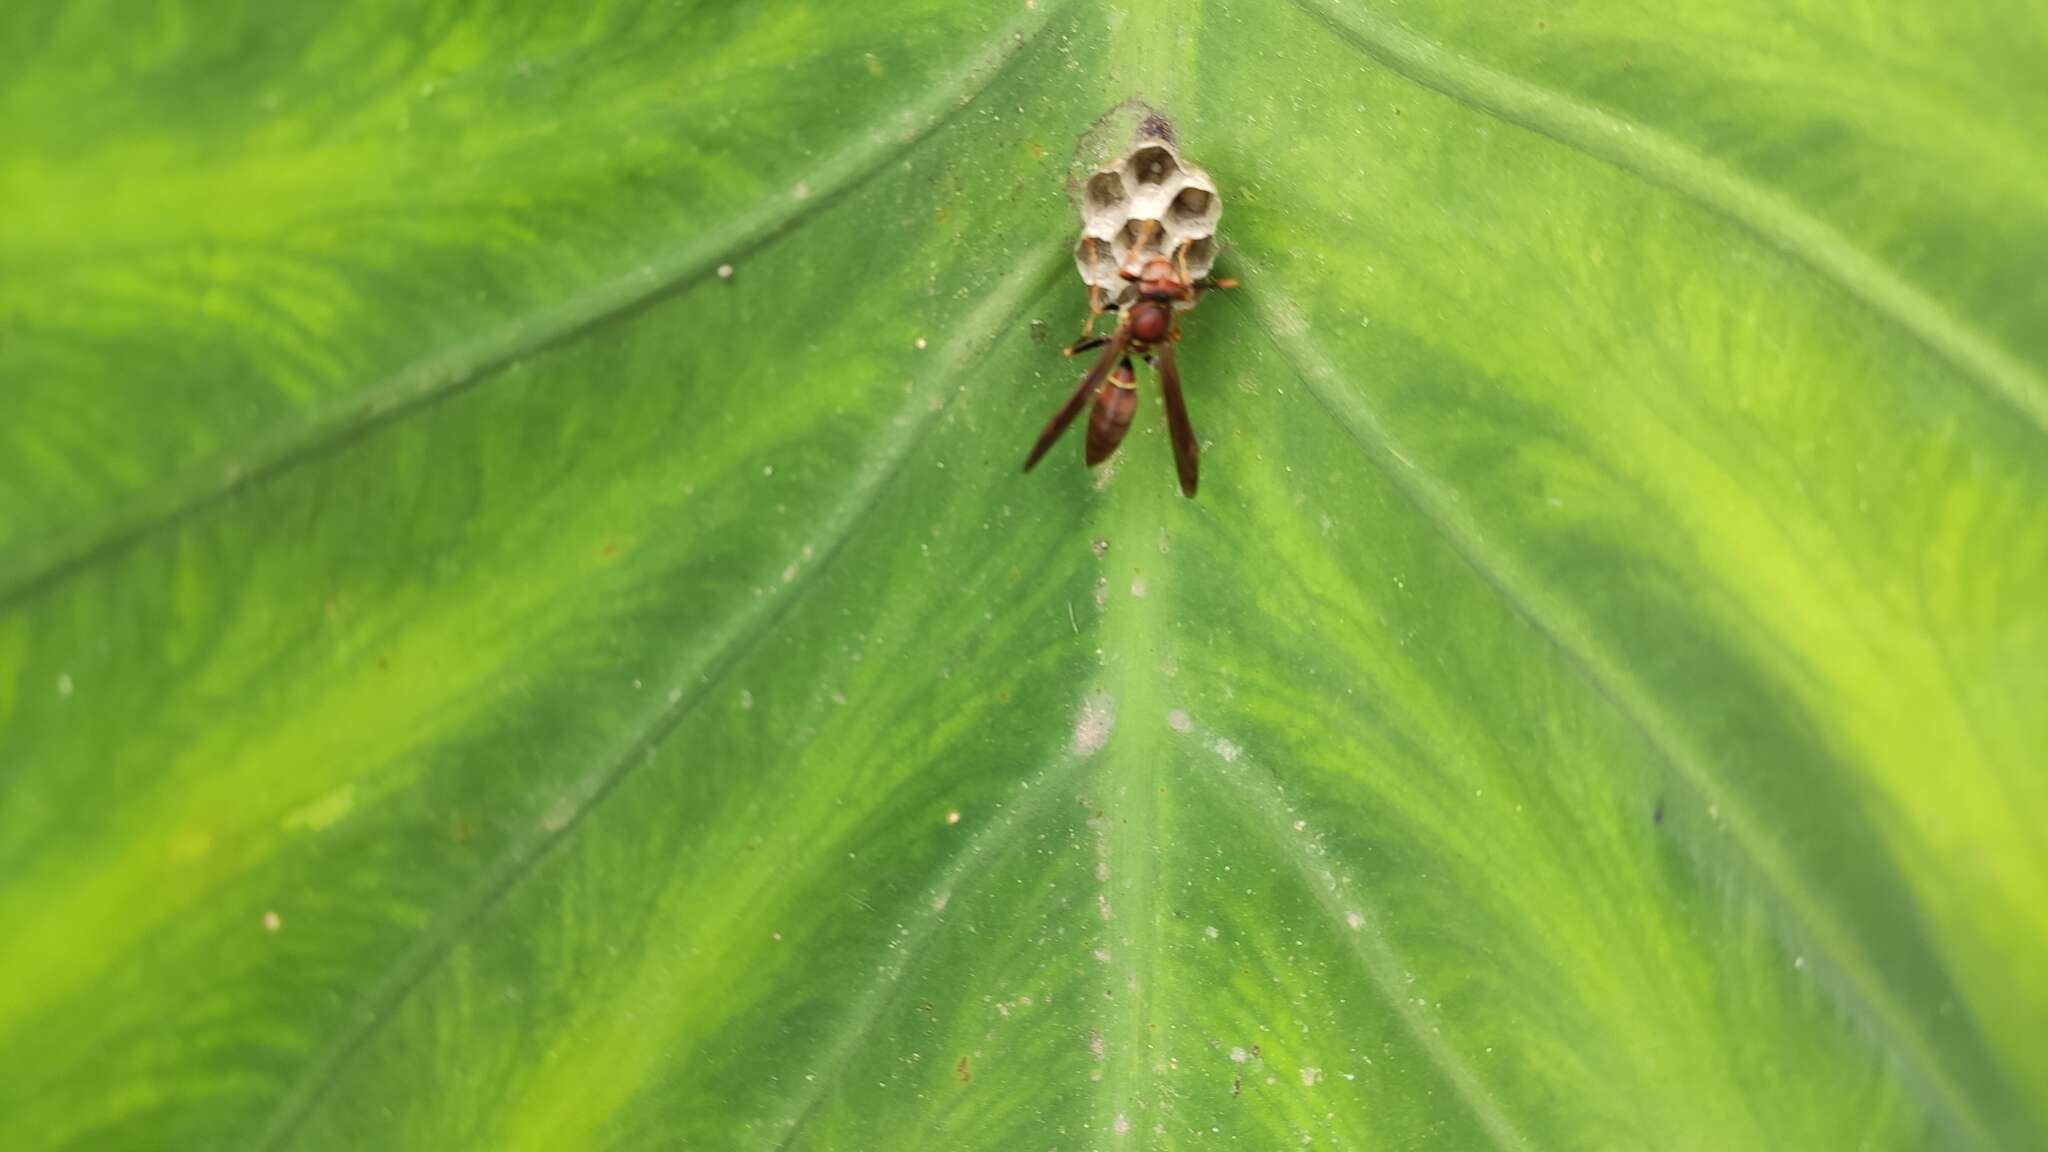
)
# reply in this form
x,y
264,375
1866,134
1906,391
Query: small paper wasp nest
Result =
x,y
1146,204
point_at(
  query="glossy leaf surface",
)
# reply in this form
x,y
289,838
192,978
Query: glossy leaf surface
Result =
x,y
521,626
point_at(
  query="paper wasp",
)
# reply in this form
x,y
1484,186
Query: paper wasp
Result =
x,y
1147,329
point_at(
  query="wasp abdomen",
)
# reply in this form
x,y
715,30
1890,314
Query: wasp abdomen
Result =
x,y
1115,404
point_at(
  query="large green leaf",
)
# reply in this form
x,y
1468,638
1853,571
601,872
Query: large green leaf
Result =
x,y
474,674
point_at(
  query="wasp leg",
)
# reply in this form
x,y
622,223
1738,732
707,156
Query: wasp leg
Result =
x,y
1145,230
1094,299
1096,307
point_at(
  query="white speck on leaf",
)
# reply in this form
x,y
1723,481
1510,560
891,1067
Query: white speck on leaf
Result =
x,y
1227,750
1355,920
725,271
1179,721
746,700
1091,731
802,191
63,683
272,921
940,901
1138,588
952,816
1239,1056
1210,932
1122,1125
559,815
1309,1076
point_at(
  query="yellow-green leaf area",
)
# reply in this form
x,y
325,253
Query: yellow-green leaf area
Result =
x,y
522,625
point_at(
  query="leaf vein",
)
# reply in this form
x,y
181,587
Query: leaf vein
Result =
x,y
452,371
715,659
1574,639
1367,946
1666,162
924,922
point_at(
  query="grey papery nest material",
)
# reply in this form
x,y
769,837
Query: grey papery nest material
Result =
x,y
1144,205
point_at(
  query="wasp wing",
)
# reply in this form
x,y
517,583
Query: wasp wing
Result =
x,y
1072,408
1185,449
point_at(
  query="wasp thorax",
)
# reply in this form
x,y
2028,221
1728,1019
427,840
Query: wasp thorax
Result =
x,y
1151,321
1149,204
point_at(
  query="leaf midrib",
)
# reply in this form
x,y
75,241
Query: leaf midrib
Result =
x,y
1505,97
1133,641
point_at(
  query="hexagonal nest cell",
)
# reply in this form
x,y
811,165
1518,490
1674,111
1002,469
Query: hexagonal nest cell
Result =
x,y
1201,257
1152,165
1105,205
1096,258
1149,203
1139,241
1194,210
1105,192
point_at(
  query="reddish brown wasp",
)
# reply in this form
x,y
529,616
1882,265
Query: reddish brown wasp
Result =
x,y
1147,330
